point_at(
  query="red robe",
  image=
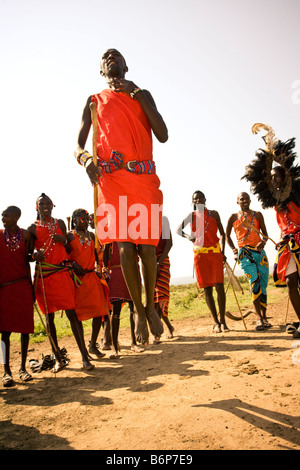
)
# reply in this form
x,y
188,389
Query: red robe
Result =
x,y
91,295
208,260
129,204
59,287
16,302
289,223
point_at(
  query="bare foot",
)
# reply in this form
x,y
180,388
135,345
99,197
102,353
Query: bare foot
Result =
x,y
216,328
170,335
136,348
114,354
141,329
86,365
155,323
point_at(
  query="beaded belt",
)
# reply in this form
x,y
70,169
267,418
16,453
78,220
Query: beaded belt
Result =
x,y
116,162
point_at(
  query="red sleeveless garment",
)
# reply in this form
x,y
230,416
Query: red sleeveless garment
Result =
x,y
59,287
16,302
92,295
129,204
208,258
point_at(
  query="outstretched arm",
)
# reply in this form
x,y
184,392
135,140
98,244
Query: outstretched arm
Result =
x,y
229,240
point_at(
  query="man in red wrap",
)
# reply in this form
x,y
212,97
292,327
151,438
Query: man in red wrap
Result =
x,y
275,179
129,198
208,255
16,293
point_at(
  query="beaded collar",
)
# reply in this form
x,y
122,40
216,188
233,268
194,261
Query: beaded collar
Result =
x,y
13,241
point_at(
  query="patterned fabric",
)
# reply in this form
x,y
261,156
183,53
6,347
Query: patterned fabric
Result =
x,y
289,246
116,160
48,269
162,287
256,268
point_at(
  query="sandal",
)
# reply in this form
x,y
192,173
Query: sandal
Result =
x,y
260,325
34,365
216,328
24,376
290,328
7,380
267,324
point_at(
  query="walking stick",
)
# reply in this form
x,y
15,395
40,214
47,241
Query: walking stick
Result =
x,y
54,347
93,109
236,298
287,310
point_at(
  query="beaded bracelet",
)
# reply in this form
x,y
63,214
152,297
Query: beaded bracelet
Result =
x,y
235,251
134,92
83,158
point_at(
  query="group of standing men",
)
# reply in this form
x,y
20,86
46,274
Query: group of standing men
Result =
x,y
129,213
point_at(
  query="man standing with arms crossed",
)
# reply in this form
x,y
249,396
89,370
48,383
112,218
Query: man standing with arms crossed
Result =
x,y
126,179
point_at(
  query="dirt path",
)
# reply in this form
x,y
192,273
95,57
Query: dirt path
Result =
x,y
198,391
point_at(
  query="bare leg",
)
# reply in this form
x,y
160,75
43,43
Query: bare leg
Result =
x,y
208,291
115,325
128,257
77,330
7,377
23,374
148,258
106,332
222,305
134,347
292,285
96,325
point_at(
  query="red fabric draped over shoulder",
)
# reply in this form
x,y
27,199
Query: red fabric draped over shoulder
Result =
x,y
129,204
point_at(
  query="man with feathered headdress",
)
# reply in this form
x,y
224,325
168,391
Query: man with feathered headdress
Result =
x,y
278,186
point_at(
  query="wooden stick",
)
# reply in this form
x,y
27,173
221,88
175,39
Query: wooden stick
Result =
x,y
69,223
248,225
287,311
237,303
93,109
55,350
228,277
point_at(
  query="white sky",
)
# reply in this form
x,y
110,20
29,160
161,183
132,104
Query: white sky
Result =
x,y
214,69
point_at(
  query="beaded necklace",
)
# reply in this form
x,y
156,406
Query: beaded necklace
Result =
x,y
13,241
289,221
84,238
49,243
244,215
201,236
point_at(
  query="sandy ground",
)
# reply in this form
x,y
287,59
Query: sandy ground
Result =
x,y
198,391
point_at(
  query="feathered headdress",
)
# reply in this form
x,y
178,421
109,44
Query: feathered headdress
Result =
x,y
258,173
